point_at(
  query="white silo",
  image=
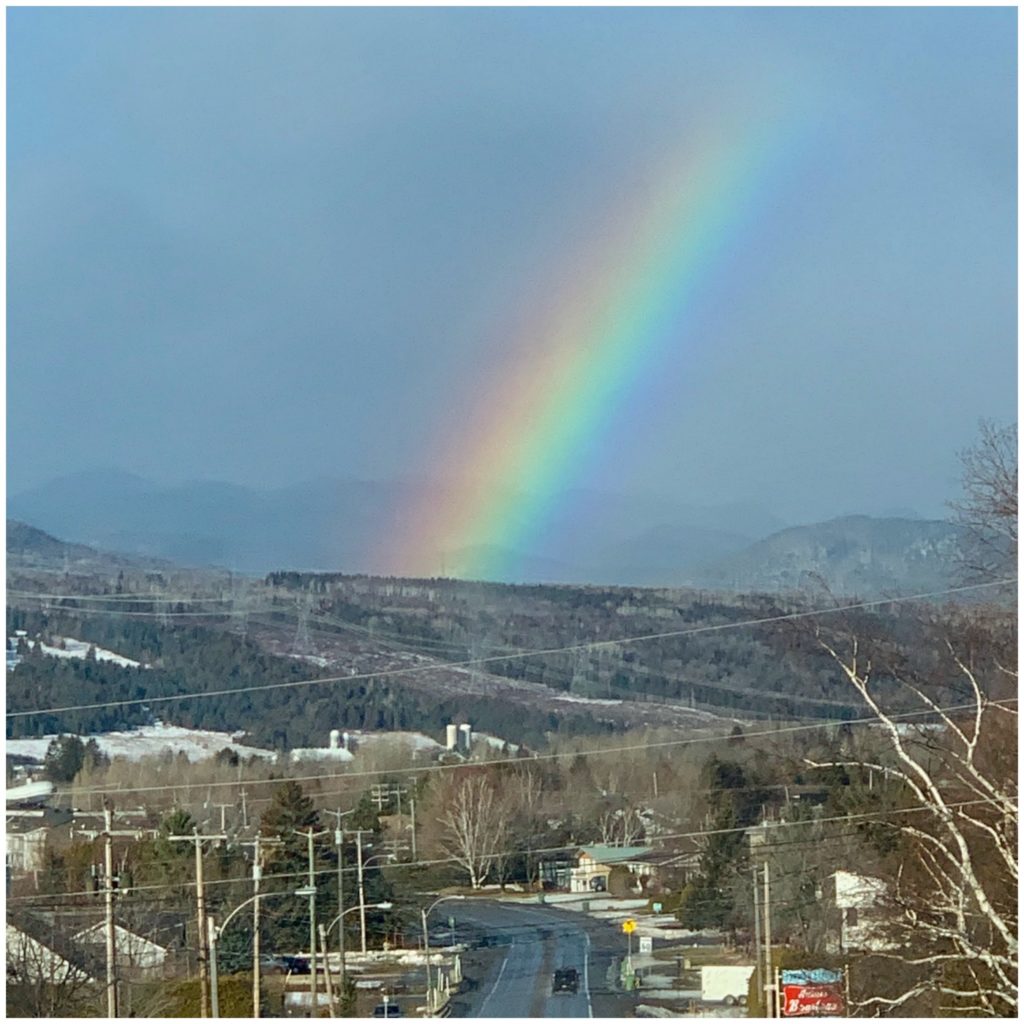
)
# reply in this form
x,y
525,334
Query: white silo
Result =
x,y
335,739
451,736
346,741
465,738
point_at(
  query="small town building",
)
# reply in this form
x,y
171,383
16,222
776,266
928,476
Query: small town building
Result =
x,y
37,953
556,872
856,903
30,832
26,846
594,865
134,952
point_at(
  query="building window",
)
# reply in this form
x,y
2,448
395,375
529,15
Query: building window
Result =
x,y
851,917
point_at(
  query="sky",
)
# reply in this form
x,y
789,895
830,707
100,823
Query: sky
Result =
x,y
270,245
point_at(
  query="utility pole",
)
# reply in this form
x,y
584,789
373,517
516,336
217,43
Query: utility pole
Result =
x,y
426,956
362,893
108,879
223,808
339,842
310,836
768,976
197,839
757,931
212,943
257,874
412,810
327,973
397,792
363,896
312,922
412,783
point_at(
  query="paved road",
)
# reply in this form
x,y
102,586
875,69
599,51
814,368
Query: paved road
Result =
x,y
523,945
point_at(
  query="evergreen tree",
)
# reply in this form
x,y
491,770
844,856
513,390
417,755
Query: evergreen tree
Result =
x,y
290,814
93,757
64,758
290,811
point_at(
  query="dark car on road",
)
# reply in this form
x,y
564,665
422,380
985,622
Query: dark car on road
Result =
x,y
270,964
566,980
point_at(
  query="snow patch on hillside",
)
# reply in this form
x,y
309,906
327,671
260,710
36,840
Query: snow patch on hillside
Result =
x,y
573,699
78,649
312,659
150,741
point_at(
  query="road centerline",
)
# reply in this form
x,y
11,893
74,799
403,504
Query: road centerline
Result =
x,y
494,987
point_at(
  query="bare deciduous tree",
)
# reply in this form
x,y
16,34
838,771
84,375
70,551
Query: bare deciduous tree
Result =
x,y
522,791
987,513
474,823
622,826
954,895
43,983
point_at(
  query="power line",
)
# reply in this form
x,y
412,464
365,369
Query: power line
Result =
x,y
534,758
438,861
227,614
502,658
134,598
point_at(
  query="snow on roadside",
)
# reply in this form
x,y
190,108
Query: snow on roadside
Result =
x,y
79,649
149,741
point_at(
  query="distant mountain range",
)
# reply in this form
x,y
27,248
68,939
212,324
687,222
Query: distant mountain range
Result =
x,y
851,555
32,548
332,525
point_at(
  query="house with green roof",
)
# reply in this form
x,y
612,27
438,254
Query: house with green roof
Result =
x,y
594,865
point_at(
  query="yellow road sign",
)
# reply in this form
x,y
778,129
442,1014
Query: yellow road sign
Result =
x,y
629,926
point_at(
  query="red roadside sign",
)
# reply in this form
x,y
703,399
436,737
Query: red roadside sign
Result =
x,y
812,1001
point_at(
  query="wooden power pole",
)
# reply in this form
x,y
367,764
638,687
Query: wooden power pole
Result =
x,y
769,986
257,874
108,886
204,967
757,932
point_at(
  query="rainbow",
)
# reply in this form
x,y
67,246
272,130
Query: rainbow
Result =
x,y
522,441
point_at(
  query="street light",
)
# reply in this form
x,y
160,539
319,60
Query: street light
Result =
x,y
372,906
310,835
362,894
338,917
426,943
214,933
339,842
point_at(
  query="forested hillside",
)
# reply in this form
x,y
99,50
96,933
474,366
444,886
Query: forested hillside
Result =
x,y
544,659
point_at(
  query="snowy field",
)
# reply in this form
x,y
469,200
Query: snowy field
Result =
x,y
149,741
78,649
419,742
494,741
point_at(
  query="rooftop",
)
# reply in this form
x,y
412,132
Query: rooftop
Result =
x,y
605,854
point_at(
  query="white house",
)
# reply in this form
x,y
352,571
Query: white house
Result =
x,y
594,865
31,960
26,847
858,902
133,951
